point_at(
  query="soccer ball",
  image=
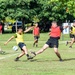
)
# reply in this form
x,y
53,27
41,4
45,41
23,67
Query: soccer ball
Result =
x,y
15,48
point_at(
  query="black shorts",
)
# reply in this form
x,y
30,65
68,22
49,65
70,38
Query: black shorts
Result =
x,y
72,36
36,37
53,42
21,45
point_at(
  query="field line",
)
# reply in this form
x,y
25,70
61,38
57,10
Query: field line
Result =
x,y
8,56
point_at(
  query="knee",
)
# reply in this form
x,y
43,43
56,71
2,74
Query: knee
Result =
x,y
56,52
23,52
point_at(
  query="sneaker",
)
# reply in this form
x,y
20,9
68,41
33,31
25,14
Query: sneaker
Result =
x,y
60,60
33,53
17,59
29,57
66,43
70,46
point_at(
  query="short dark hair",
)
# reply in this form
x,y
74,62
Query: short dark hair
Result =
x,y
54,21
19,28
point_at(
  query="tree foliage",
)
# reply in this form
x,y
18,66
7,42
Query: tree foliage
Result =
x,y
44,9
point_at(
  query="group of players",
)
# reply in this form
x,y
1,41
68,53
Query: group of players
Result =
x,y
52,42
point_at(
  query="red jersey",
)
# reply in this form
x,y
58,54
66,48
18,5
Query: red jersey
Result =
x,y
36,31
0,27
55,32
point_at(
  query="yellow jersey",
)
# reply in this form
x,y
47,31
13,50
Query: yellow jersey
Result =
x,y
19,38
73,30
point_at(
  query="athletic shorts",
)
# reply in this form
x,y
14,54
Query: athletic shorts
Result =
x,y
72,36
53,42
21,45
36,37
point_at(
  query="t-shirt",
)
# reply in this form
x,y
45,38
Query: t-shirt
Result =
x,y
71,28
56,33
36,31
19,38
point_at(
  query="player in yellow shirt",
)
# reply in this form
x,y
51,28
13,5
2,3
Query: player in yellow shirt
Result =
x,y
72,36
20,42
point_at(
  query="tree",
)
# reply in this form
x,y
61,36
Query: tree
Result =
x,y
42,10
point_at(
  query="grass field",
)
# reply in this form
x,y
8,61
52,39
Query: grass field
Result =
x,y
44,64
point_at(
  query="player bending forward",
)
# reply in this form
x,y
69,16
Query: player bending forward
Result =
x,y
20,41
53,41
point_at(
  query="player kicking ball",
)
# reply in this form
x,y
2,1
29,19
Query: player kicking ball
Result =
x,y
53,41
20,42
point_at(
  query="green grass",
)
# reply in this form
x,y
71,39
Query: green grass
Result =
x,y
44,64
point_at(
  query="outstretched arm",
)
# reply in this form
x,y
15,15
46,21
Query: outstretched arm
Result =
x,y
64,27
28,29
9,40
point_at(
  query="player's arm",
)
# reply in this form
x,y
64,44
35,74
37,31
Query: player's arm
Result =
x,y
49,31
64,27
9,40
28,29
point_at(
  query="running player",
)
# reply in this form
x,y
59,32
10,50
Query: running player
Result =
x,y
20,41
72,36
36,34
53,41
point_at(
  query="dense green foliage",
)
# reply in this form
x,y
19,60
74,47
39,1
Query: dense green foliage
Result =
x,y
29,10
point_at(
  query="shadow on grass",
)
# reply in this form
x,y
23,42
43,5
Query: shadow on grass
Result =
x,y
4,53
69,59
37,60
46,60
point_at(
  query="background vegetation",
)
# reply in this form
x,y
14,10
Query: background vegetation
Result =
x,y
43,11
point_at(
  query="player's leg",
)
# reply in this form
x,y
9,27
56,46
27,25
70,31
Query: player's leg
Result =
x,y
35,41
26,52
57,53
23,53
72,41
41,50
69,42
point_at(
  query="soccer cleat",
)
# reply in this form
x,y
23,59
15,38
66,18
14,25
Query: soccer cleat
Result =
x,y
29,57
33,53
17,59
66,43
60,60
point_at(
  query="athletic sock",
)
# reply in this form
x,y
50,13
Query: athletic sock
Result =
x,y
33,44
27,55
33,53
17,59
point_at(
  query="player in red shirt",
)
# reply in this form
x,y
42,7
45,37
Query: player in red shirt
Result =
x,y
36,34
53,41
0,28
